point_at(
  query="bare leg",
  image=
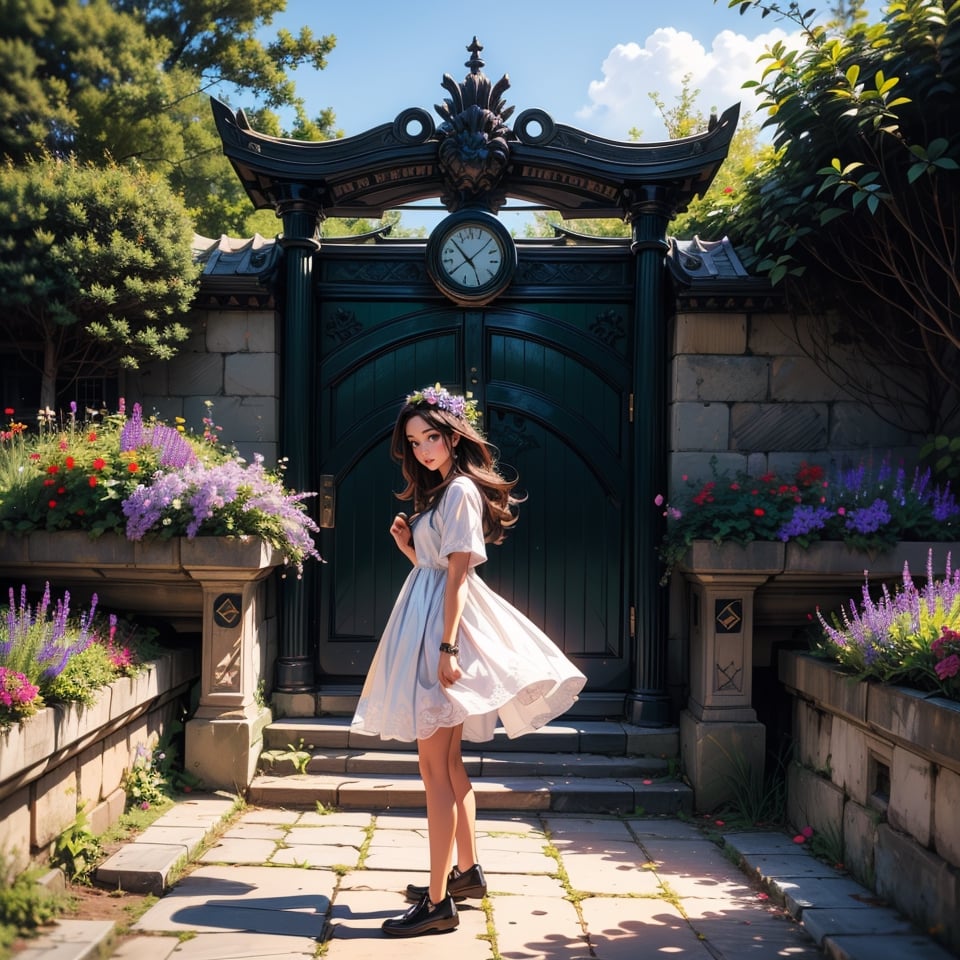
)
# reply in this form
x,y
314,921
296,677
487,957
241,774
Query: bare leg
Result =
x,y
466,804
441,806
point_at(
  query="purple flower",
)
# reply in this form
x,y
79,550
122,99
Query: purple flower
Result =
x,y
869,519
131,436
805,520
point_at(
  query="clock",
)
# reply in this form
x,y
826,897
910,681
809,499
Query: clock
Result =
x,y
471,257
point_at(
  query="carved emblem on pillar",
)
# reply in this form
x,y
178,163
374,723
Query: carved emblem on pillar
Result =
x,y
474,152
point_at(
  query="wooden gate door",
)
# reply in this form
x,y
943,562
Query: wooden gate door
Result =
x,y
553,385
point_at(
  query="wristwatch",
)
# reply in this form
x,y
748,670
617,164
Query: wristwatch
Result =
x,y
450,648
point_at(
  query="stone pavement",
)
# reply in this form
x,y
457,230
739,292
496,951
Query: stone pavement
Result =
x,y
288,884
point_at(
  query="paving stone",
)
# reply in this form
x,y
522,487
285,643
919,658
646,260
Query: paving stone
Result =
x,y
788,866
563,830
274,815
141,867
665,828
329,836
316,855
538,927
340,818
639,928
145,948
256,831
240,946
228,850
68,940
804,892
884,948
257,899
599,873
184,835
522,884
745,935
820,923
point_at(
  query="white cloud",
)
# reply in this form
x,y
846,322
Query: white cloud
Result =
x,y
631,72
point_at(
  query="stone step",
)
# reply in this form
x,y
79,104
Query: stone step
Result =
x,y
642,796
608,738
279,762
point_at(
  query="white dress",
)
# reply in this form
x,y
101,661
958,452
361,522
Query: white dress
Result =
x,y
510,668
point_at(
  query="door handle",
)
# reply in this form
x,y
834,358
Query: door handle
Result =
x,y
328,501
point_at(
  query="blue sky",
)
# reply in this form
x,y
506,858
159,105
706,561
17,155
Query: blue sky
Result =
x,y
590,63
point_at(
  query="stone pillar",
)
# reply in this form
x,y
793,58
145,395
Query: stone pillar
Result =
x,y
224,736
648,702
720,737
295,663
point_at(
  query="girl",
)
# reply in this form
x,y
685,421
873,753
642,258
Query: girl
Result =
x,y
454,655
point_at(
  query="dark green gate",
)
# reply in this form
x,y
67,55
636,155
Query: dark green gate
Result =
x,y
553,382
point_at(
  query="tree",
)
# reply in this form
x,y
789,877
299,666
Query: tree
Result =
x,y
681,120
855,216
129,81
95,267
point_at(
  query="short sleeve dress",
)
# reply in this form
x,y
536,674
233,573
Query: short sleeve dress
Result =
x,y
512,672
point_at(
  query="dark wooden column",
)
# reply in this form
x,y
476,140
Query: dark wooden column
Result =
x,y
648,702
295,663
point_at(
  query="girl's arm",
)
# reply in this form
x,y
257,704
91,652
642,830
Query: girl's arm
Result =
x,y
455,596
403,537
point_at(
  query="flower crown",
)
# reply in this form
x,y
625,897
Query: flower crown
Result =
x,y
440,397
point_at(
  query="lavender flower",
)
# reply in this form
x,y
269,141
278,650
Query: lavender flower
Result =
x,y
131,436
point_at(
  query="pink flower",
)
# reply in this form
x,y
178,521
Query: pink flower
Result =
x,y
799,838
807,832
948,667
658,499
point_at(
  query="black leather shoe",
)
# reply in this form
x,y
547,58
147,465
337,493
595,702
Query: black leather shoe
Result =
x,y
470,883
425,917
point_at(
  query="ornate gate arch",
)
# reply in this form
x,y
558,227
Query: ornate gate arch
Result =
x,y
563,347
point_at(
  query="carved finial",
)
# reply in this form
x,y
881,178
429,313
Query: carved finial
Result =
x,y
475,63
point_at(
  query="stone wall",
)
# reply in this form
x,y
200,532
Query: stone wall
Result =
x,y
70,756
742,388
877,776
231,363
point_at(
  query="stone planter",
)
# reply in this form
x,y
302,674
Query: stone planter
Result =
x,y
218,586
728,590
71,754
878,770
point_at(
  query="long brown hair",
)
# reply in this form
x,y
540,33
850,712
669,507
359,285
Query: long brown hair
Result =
x,y
473,457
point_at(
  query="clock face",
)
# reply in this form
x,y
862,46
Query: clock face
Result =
x,y
471,257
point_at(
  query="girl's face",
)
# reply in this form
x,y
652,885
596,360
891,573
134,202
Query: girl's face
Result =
x,y
429,445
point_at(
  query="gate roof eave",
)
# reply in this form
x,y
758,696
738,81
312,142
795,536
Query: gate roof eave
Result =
x,y
561,167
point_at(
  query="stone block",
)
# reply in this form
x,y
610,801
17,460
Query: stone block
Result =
x,y
197,375
224,753
930,723
15,833
910,808
800,380
13,744
701,333
721,379
707,750
243,419
38,737
699,426
250,374
857,425
54,805
116,760
813,801
919,883
90,775
296,704
859,841
820,681
946,819
106,813
773,335
241,331
849,759
811,730
779,426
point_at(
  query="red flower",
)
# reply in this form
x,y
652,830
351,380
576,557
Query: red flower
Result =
x,y
53,468
71,463
133,467
9,411
52,504
92,481
34,456
91,436
99,463
758,511
61,490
